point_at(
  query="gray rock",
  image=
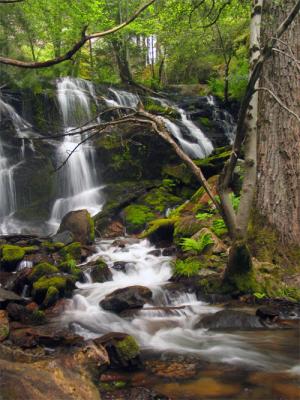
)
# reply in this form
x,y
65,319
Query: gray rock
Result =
x,y
65,237
230,319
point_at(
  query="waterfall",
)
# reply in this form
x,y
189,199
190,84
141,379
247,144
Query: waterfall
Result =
x,y
125,99
224,118
8,195
78,182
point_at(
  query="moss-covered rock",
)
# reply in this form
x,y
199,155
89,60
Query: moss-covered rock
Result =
x,y
136,216
11,256
160,230
42,269
51,297
128,348
63,283
69,267
160,199
100,271
52,246
72,251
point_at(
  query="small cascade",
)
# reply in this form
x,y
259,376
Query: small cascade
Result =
x,y
224,118
168,323
125,99
78,183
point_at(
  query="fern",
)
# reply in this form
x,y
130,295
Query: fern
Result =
x,y
235,201
186,267
219,227
203,216
189,244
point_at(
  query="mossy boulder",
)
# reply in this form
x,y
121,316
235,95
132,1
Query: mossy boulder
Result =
x,y
42,269
100,271
11,256
63,283
160,230
52,246
51,297
161,198
123,350
80,224
69,267
72,251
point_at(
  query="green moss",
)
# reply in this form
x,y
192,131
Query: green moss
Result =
x,y
205,122
186,227
92,228
31,249
186,268
51,297
69,267
72,251
155,108
38,317
52,247
160,199
136,216
11,255
63,284
180,172
159,224
128,348
42,269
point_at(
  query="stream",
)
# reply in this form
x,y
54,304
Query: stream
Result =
x,y
256,357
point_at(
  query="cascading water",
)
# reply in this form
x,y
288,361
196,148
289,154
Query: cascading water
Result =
x,y
160,327
8,194
224,118
78,182
198,147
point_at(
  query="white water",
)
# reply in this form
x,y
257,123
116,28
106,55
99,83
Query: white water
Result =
x,y
224,117
8,193
198,147
78,181
171,330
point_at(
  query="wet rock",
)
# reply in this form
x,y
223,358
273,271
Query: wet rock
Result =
x,y
65,237
7,296
230,319
80,224
156,252
47,335
124,242
100,271
136,393
66,376
268,313
123,350
17,282
131,297
4,325
172,370
169,251
120,266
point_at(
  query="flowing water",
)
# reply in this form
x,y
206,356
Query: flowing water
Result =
x,y
9,165
78,181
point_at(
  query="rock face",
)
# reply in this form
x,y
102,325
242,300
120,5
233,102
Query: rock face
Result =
x,y
230,319
131,297
80,224
67,377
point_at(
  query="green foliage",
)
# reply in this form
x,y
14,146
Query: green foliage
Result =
x,y
235,201
189,244
259,295
219,227
186,268
203,216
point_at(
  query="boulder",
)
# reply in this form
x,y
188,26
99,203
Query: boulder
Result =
x,y
6,296
4,325
131,297
100,271
123,350
80,224
66,375
11,256
230,319
65,237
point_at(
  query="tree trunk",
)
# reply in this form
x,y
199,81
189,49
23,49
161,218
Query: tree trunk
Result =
x,y
278,193
121,55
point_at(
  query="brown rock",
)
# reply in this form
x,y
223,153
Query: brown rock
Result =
x,y
131,297
4,325
79,224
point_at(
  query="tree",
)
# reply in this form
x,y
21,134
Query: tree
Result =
x,y
278,193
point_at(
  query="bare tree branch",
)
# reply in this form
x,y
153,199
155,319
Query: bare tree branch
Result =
x,y
77,46
10,1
